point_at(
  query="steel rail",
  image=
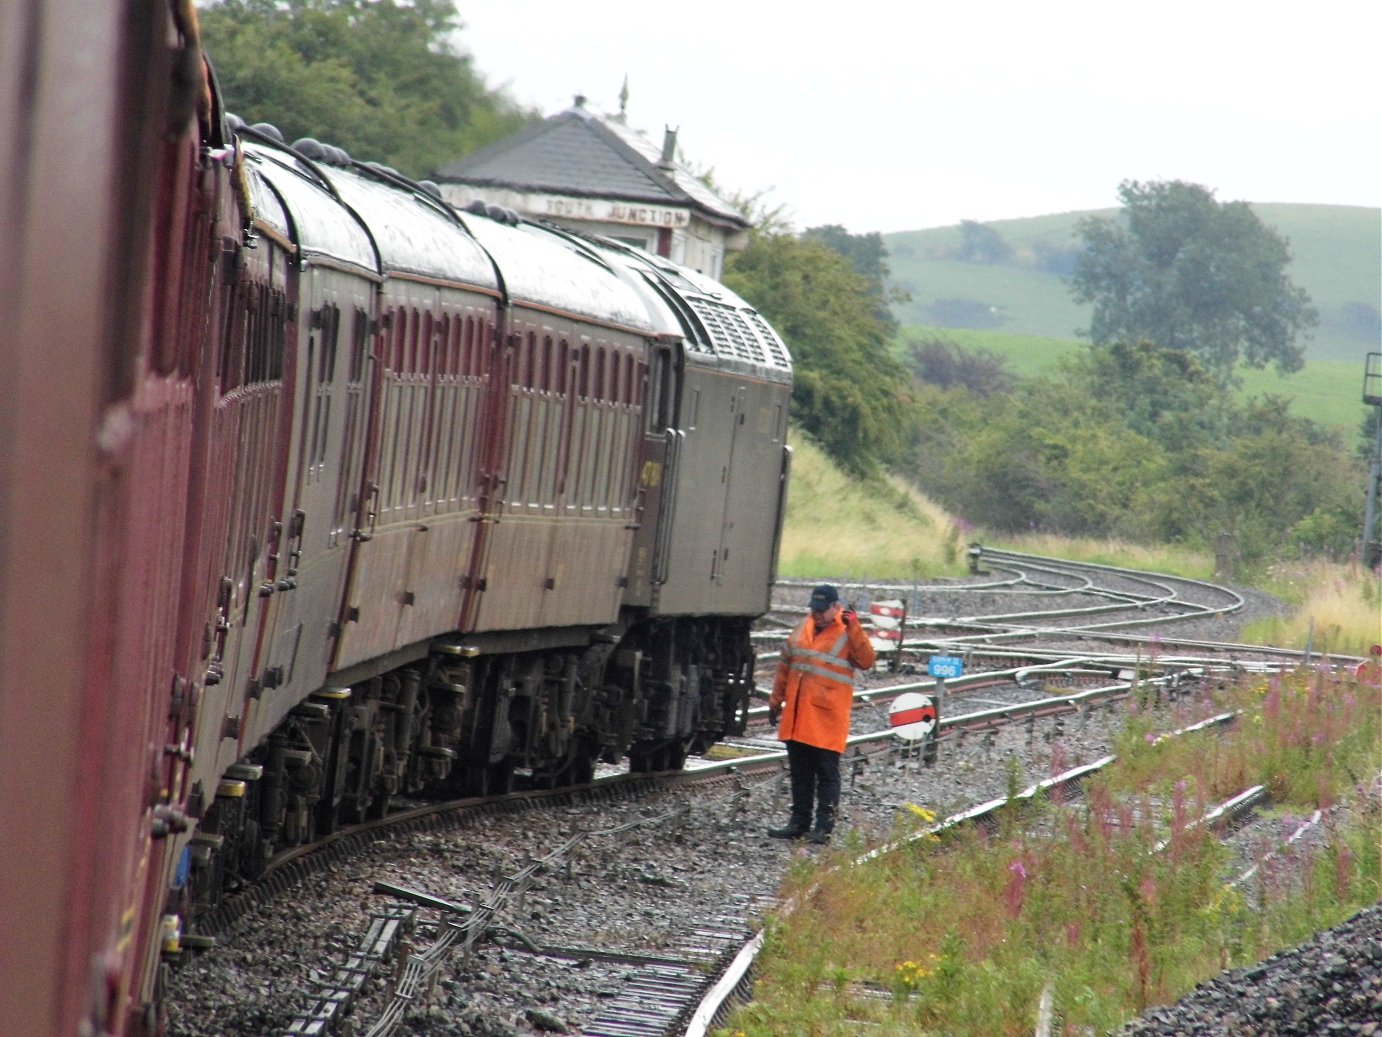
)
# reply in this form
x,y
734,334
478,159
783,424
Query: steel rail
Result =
x,y
1229,592
991,628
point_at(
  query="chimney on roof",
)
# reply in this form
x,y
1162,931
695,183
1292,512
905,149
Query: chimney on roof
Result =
x,y
579,100
669,148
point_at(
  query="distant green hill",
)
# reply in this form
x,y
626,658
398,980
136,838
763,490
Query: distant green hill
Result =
x,y
1337,254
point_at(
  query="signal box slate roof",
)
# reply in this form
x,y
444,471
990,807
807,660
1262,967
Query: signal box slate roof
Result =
x,y
581,154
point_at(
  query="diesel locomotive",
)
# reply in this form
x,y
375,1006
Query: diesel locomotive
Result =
x,y
318,493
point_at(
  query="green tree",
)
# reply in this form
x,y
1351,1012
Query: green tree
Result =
x,y
1138,443
1279,482
1164,394
938,361
1053,458
848,393
1188,272
868,255
980,243
378,78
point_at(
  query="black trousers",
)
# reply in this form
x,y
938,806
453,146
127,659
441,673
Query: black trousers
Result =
x,y
815,781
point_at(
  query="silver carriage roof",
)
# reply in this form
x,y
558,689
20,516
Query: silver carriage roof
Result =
x,y
718,326
541,270
299,204
368,215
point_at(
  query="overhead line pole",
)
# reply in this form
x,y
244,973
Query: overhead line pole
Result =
x,y
1372,520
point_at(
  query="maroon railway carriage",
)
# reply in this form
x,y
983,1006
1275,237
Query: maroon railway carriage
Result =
x,y
109,170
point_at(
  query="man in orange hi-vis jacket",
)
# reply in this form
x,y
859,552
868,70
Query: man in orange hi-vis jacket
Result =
x,y
813,692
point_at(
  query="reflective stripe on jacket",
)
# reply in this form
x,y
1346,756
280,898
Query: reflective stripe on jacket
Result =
x,y
815,682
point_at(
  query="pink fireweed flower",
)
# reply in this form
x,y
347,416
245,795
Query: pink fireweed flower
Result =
x,y
1015,892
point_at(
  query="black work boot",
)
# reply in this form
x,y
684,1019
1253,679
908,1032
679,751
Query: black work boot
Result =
x,y
825,822
795,829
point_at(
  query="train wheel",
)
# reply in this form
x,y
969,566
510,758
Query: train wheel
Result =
x,y
674,756
496,779
577,768
583,767
378,807
252,851
501,778
667,756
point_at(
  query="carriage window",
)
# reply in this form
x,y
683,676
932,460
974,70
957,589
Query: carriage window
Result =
x,y
659,394
327,322
359,339
425,357
398,329
232,342
413,328
256,353
441,329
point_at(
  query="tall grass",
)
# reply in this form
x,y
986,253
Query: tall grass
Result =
x,y
1152,557
1338,609
1113,904
837,526
886,529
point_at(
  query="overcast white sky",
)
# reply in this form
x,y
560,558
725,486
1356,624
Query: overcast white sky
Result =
x,y
886,115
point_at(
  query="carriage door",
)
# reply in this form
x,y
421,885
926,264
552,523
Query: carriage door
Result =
x,y
658,405
314,547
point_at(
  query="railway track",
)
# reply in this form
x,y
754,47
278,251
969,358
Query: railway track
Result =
x,y
1015,597
661,880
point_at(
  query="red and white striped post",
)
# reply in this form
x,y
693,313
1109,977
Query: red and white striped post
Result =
x,y
889,620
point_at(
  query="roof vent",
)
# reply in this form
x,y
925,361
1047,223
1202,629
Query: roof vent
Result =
x,y
669,148
310,148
